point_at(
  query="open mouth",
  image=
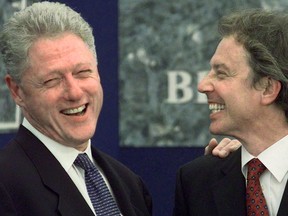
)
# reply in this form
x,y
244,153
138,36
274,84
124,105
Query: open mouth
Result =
x,y
216,107
76,111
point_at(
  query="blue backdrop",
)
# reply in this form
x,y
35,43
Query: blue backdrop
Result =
x,y
157,166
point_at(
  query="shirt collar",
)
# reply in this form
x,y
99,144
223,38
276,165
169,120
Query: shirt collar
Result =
x,y
272,157
66,155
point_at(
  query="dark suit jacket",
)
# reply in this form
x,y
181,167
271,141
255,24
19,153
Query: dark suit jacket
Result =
x,y
211,186
33,183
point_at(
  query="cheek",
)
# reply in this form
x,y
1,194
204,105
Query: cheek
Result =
x,y
40,101
98,100
40,105
95,89
100,95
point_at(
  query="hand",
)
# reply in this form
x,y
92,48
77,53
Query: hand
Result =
x,y
223,149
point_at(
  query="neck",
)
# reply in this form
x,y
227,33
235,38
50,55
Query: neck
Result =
x,y
256,143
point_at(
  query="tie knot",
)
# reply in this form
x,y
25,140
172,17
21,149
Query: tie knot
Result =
x,y
84,162
255,169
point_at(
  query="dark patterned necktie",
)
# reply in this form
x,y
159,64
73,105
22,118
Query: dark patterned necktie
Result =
x,y
100,196
255,200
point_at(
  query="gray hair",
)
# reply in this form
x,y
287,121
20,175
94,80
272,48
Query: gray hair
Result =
x,y
44,19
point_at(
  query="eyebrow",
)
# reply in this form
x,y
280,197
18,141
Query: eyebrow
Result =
x,y
218,66
75,67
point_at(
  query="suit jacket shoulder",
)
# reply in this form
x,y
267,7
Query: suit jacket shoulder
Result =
x,y
211,186
34,183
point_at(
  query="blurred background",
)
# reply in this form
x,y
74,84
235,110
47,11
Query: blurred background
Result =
x,y
165,48
152,54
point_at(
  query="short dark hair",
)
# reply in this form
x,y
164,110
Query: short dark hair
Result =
x,y
264,35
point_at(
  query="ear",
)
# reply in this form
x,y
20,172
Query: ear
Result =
x,y
271,89
15,90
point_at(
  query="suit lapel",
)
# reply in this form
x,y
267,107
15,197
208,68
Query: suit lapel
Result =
x,y
229,191
70,202
283,208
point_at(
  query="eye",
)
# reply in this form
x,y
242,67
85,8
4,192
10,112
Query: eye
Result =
x,y
221,74
49,83
83,74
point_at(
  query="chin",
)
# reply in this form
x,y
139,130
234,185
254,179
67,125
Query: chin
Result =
x,y
82,135
215,131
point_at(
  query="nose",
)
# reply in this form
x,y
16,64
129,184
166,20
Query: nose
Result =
x,y
206,84
72,88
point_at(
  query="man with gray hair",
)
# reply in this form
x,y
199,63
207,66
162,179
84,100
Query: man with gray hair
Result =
x,y
50,167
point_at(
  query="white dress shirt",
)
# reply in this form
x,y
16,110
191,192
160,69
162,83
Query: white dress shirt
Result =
x,y
274,179
66,156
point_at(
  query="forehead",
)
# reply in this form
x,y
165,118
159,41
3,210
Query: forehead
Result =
x,y
230,53
64,49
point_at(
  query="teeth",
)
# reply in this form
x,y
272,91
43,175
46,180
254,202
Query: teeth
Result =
x,y
216,107
75,110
